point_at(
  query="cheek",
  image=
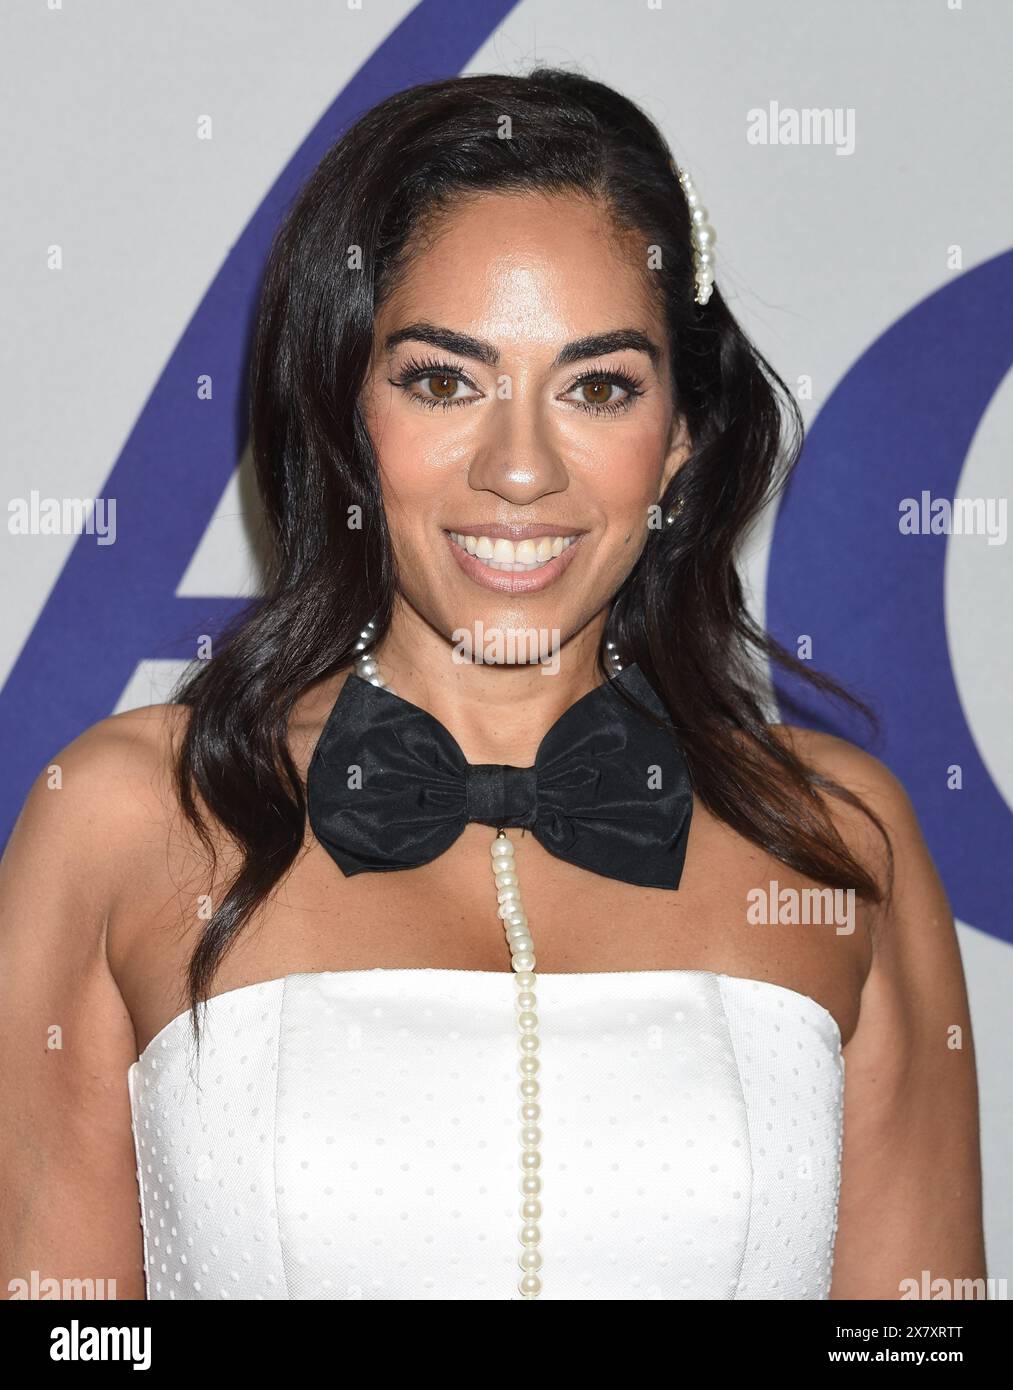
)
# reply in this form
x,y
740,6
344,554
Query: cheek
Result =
x,y
419,451
619,465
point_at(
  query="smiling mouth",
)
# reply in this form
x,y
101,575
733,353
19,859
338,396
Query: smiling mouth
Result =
x,y
513,557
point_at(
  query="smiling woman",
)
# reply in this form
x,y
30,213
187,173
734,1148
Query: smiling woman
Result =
x,y
493,932
577,430
600,390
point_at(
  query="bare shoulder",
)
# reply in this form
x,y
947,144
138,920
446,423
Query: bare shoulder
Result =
x,y
917,958
843,761
872,782
99,812
100,790
136,742
136,746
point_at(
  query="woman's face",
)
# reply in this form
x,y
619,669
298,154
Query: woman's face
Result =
x,y
519,406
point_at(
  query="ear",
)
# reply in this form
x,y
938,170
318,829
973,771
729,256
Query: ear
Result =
x,y
680,447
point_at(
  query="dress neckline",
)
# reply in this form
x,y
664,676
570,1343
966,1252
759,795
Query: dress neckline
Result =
x,y
545,976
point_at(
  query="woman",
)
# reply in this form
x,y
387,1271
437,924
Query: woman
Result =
x,y
515,990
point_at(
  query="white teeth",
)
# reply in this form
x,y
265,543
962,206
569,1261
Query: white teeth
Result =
x,y
519,558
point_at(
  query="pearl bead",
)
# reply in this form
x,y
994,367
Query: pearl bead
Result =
x,y
510,910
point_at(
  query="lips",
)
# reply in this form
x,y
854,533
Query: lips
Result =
x,y
513,556
513,565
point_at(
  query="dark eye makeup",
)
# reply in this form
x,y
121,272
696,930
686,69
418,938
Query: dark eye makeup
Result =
x,y
418,369
424,368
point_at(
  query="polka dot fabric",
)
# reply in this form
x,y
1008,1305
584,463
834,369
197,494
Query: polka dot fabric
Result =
x,y
354,1135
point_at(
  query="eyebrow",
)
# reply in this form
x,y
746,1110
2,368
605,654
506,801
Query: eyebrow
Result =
x,y
596,345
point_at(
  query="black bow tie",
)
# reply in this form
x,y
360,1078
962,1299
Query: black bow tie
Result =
x,y
609,791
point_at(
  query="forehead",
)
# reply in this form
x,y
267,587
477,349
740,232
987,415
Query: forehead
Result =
x,y
526,268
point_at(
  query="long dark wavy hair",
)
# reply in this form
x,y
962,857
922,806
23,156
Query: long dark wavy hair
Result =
x,y
680,614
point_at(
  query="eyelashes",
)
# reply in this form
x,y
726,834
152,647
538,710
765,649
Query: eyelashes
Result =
x,y
422,369
612,376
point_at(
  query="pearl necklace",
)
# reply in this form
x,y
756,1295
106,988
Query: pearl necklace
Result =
x,y
522,960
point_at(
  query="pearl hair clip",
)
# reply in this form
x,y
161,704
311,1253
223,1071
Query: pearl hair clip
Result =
x,y
703,236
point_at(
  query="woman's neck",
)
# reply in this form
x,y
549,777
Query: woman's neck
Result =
x,y
498,711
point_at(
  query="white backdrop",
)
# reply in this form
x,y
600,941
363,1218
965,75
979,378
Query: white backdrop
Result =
x,y
822,251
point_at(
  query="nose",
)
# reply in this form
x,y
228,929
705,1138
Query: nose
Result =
x,y
518,461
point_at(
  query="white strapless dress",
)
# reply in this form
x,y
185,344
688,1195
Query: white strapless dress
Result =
x,y
355,1135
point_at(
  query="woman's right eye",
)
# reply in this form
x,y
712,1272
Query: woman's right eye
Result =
x,y
441,386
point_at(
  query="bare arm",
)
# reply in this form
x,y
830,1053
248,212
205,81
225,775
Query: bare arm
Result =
x,y
68,1190
911,1176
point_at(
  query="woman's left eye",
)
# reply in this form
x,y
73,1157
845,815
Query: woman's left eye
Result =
x,y
597,393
